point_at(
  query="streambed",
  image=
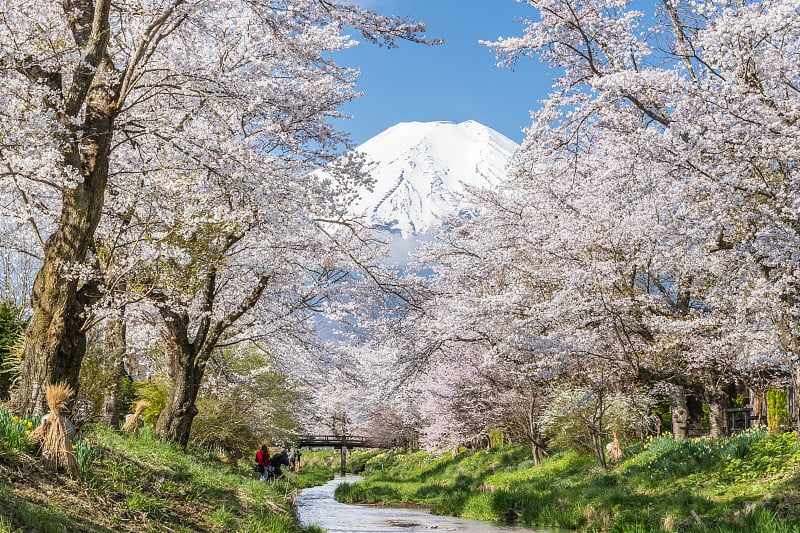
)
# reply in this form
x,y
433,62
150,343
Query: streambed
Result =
x,y
317,505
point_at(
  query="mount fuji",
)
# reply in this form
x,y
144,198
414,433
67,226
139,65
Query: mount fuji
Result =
x,y
421,168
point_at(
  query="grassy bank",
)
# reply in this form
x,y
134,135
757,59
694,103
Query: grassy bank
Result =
x,y
142,484
746,483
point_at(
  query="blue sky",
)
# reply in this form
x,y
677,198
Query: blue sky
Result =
x,y
455,81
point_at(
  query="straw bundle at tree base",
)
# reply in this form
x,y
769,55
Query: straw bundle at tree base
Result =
x,y
132,424
615,453
53,434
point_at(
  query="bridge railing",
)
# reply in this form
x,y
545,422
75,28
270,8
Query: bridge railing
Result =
x,y
349,441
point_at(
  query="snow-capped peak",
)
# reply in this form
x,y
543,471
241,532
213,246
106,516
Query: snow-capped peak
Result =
x,y
420,168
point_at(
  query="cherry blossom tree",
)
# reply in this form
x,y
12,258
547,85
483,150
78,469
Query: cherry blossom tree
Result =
x,y
107,100
630,244
267,250
702,100
465,392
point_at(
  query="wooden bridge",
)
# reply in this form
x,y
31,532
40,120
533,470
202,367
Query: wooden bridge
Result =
x,y
344,443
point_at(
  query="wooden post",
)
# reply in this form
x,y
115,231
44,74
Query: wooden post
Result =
x,y
344,455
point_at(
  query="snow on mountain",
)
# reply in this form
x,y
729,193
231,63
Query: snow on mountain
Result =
x,y
420,168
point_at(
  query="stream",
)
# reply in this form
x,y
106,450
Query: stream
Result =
x,y
316,505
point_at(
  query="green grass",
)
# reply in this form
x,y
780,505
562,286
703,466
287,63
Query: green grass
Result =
x,y
142,484
223,519
748,482
33,516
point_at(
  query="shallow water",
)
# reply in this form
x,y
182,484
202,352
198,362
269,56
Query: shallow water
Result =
x,y
316,505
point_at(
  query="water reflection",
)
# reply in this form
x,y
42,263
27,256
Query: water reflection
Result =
x,y
317,506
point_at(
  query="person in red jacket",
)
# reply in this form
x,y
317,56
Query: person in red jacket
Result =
x,y
262,461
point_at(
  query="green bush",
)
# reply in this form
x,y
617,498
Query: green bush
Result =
x,y
778,418
155,393
496,438
220,425
359,460
366,493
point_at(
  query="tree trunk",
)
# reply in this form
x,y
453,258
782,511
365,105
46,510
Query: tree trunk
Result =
x,y
717,416
55,338
537,452
679,411
186,360
534,435
185,368
599,449
116,344
109,412
794,399
175,421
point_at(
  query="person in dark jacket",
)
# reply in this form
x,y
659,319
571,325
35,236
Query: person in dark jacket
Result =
x,y
278,460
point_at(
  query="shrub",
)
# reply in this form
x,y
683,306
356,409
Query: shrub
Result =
x,y
220,424
153,392
778,418
496,438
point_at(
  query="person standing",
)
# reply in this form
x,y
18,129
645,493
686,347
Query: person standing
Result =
x,y
262,461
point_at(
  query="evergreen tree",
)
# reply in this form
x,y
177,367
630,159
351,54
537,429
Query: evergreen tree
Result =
x,y
11,328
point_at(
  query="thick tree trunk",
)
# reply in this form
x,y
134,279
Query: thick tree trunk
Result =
x,y
55,338
175,421
679,411
186,360
717,402
185,368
